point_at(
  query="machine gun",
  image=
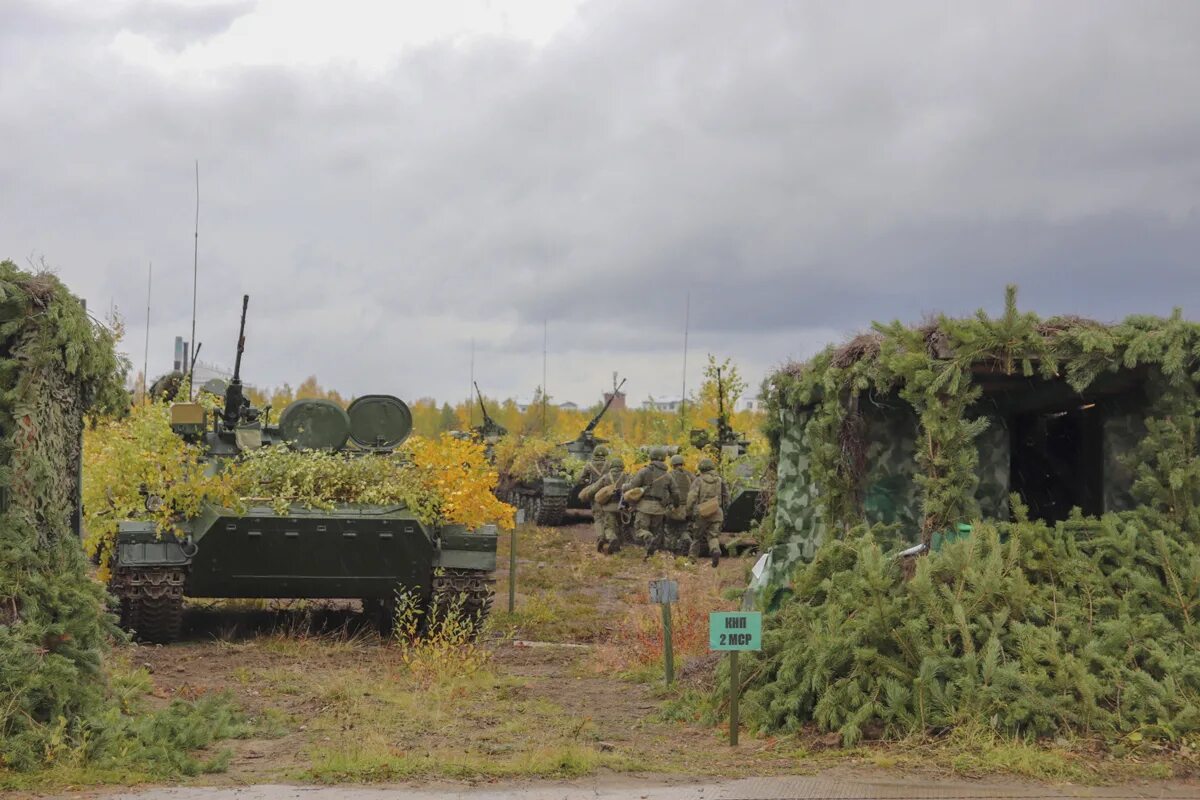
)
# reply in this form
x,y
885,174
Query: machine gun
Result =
x,y
235,399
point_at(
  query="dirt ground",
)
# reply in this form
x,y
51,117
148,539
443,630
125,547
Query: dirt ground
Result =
x,y
556,684
566,686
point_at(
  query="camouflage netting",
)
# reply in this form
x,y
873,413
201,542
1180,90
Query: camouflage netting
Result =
x,y
54,366
913,427
1077,621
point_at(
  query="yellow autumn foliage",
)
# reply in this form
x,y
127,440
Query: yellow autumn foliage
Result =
x,y
131,460
530,458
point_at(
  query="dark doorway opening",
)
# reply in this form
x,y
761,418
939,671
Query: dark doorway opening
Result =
x,y
1057,461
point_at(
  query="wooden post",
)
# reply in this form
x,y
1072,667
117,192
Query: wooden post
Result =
x,y
734,688
512,569
668,649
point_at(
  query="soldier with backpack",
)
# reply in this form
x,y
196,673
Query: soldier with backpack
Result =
x,y
678,525
606,506
706,504
655,494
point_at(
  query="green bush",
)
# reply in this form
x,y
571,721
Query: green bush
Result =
x,y
1086,627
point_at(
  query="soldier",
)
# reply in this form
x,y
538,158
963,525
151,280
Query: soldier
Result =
x,y
707,501
656,497
594,470
679,537
606,506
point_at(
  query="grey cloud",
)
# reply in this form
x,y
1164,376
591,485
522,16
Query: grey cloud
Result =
x,y
801,169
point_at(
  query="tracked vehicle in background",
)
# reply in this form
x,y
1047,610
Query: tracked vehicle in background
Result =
x,y
362,552
546,497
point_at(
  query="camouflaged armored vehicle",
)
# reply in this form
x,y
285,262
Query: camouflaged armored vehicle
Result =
x,y
544,500
363,552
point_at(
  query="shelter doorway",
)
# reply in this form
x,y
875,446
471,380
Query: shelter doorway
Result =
x,y
1057,460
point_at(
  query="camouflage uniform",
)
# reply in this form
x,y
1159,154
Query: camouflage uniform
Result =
x,y
597,467
660,495
593,471
707,486
679,527
608,515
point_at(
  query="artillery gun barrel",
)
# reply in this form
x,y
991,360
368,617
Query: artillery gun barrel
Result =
x,y
233,394
487,419
591,426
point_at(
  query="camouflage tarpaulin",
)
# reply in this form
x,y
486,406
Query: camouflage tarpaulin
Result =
x,y
54,365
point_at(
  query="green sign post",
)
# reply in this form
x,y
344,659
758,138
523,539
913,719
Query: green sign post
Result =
x,y
512,570
512,560
664,592
734,631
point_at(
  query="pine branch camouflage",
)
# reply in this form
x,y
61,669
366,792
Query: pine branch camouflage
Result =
x,y
1031,629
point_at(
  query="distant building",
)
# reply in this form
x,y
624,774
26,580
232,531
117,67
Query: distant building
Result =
x,y
662,403
182,355
568,406
618,401
205,371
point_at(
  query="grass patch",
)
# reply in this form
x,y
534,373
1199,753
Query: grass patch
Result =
x,y
377,761
480,724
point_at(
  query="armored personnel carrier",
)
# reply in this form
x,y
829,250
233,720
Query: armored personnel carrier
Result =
x,y
364,552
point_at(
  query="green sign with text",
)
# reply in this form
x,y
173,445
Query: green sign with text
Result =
x,y
735,630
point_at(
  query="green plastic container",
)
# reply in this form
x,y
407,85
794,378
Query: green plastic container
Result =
x,y
940,538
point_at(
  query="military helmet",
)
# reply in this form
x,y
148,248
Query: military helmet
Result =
x,y
658,453
707,465
600,452
676,460
616,462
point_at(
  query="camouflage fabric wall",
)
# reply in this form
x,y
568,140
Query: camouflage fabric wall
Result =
x,y
993,470
1122,432
890,493
798,524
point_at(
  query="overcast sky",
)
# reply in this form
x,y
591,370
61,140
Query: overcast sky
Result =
x,y
389,181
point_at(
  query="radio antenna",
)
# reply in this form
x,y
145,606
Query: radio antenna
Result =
x,y
195,274
545,359
687,320
146,354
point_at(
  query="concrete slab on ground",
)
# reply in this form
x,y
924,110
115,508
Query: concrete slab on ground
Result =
x,y
810,787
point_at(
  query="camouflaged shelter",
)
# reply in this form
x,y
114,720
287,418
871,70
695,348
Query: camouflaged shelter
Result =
x,y
920,428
